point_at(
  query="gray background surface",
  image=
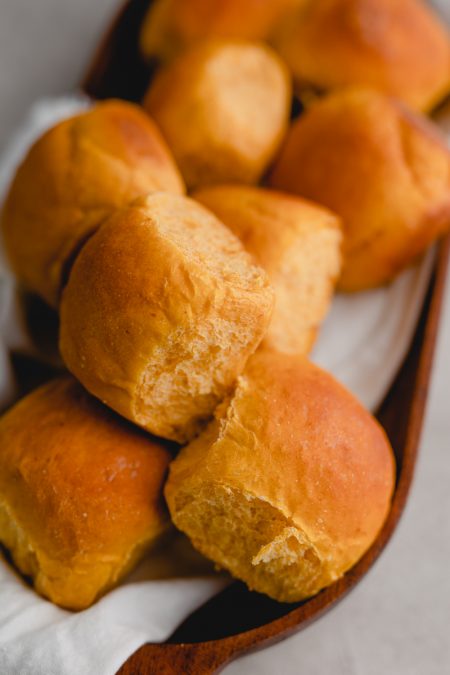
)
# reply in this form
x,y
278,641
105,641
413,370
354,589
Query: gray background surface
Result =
x,y
397,621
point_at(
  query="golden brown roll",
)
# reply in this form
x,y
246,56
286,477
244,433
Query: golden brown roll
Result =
x,y
290,484
223,108
162,310
383,169
71,179
172,25
298,244
80,493
397,46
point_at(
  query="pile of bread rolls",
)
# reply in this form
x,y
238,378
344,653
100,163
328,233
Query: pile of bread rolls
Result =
x,y
191,318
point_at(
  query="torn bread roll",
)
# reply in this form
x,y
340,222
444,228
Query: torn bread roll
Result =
x,y
298,243
291,483
397,46
73,177
80,493
170,26
162,309
223,107
382,168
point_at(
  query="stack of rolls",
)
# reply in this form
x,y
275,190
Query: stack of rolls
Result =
x,y
191,318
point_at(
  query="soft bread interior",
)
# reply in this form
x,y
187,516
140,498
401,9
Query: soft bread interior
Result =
x,y
177,390
186,378
252,539
298,244
304,283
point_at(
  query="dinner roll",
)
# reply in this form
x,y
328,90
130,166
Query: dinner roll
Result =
x,y
172,25
290,484
383,169
80,493
297,243
396,46
223,108
162,310
71,179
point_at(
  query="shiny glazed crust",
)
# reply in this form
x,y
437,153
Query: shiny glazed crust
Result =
x,y
80,493
382,168
71,179
397,46
291,483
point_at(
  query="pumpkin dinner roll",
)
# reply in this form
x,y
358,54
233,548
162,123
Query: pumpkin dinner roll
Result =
x,y
223,107
172,25
297,243
397,46
162,309
289,485
80,493
382,168
71,179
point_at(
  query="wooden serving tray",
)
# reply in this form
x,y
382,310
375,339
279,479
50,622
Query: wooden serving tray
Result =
x,y
237,621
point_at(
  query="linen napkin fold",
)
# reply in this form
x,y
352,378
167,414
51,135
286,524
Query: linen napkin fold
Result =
x,y
362,342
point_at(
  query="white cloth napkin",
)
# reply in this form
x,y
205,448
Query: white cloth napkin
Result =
x,y
363,342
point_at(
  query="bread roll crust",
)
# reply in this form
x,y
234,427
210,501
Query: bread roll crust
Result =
x,y
290,484
397,46
72,178
80,493
297,243
223,107
162,310
382,168
172,25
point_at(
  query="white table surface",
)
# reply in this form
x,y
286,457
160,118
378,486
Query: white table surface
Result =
x,y
397,621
